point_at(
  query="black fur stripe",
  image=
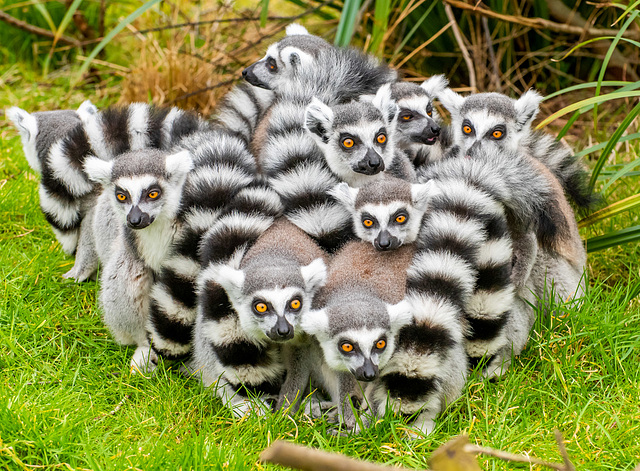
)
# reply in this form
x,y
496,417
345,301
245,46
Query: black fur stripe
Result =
x,y
487,329
334,240
116,130
221,245
215,302
409,389
292,161
228,153
207,197
305,200
184,124
76,147
493,278
424,338
167,328
290,131
269,388
495,224
438,242
437,286
242,353
180,289
63,227
154,129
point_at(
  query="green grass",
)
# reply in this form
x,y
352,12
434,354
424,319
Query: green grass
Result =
x,y
67,400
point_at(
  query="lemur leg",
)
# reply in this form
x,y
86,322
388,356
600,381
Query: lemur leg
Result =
x,y
144,360
86,262
425,422
296,382
525,252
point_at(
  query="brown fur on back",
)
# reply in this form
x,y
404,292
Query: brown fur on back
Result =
x,y
286,239
360,264
260,136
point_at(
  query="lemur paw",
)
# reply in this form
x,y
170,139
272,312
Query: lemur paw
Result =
x,y
80,275
144,361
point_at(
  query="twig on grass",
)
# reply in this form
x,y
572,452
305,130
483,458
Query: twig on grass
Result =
x,y
568,465
463,49
115,409
23,25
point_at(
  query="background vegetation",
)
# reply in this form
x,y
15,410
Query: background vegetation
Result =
x,y
66,400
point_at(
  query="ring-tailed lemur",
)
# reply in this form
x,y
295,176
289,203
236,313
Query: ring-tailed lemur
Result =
x,y
270,287
392,214
355,320
134,229
55,145
288,155
358,139
495,120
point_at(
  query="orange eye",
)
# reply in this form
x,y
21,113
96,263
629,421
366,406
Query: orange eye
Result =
x,y
295,304
401,219
380,344
348,143
121,197
407,117
153,194
381,138
367,223
346,347
429,113
260,307
497,134
467,129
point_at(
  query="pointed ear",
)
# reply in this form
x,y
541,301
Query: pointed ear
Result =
x,y
421,193
178,165
345,194
296,29
527,107
318,119
296,57
98,170
385,103
399,315
24,122
229,278
435,85
451,100
315,322
314,275
366,98
87,108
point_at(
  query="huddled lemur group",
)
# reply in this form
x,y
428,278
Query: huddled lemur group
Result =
x,y
326,240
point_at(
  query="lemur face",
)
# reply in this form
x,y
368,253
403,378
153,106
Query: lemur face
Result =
x,y
270,299
359,348
146,185
356,138
388,213
490,119
282,60
418,121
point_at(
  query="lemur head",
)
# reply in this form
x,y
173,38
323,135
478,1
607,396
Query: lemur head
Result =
x,y
357,331
388,212
418,122
355,137
270,294
40,130
146,184
297,49
490,119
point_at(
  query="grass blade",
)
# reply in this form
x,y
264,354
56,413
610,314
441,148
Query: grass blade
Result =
x,y
107,39
623,236
45,14
61,29
620,173
613,141
611,210
581,86
264,13
380,25
597,147
347,23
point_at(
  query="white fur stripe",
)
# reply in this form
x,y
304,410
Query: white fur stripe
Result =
x,y
491,304
138,120
200,220
93,127
436,312
495,252
172,309
74,180
167,126
444,265
304,179
218,176
442,224
183,266
321,220
63,213
68,239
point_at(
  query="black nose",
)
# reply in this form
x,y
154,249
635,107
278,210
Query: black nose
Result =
x,y
244,73
284,330
369,375
435,129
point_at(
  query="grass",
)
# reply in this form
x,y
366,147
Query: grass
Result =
x,y
68,402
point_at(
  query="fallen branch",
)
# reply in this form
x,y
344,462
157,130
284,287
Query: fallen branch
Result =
x,y
23,25
541,23
463,49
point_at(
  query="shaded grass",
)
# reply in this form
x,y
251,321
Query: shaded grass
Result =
x,y
66,397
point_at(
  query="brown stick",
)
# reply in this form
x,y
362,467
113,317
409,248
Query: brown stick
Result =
x,y
505,456
460,41
36,30
541,23
308,459
568,465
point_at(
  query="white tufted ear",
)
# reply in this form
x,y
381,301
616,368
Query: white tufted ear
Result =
x,y
385,103
345,194
24,122
296,29
527,107
451,100
400,314
178,165
87,108
231,280
366,98
296,57
314,275
435,85
98,170
421,193
318,119
316,323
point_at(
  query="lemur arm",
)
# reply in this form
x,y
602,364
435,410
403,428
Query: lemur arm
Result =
x,y
525,251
